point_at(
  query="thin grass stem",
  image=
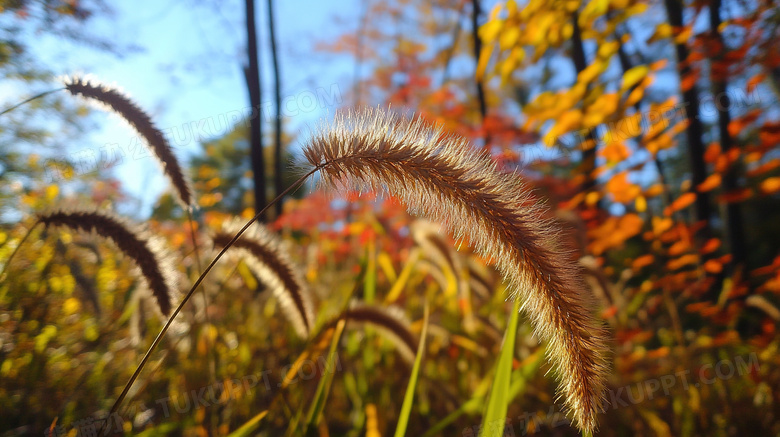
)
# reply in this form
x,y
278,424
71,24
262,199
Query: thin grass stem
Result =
x,y
37,96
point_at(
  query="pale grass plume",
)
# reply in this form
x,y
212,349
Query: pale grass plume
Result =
x,y
444,179
116,101
427,236
148,252
263,253
389,321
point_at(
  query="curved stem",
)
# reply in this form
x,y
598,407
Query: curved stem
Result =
x,y
194,287
11,257
37,96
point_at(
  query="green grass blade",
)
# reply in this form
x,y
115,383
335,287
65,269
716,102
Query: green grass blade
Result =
x,y
406,407
323,388
472,406
495,416
249,427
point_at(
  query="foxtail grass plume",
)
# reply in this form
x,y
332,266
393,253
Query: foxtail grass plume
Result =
x,y
263,254
444,179
391,322
121,104
426,235
148,252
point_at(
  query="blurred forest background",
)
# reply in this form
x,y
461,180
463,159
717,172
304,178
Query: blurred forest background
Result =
x,y
649,128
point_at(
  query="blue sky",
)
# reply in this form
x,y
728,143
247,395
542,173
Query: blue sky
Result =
x,y
189,68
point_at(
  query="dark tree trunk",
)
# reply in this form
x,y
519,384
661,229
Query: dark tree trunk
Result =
x,y
589,152
476,12
252,75
674,9
278,166
719,77
625,65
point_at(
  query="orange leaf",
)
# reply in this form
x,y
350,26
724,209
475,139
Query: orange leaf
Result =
x,y
712,153
689,81
678,248
661,225
657,65
654,190
710,246
736,195
765,167
642,261
770,185
621,189
712,182
610,312
681,202
713,267
755,80
682,261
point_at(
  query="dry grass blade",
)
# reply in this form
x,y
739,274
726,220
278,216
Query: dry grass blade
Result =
x,y
270,263
446,180
146,251
142,123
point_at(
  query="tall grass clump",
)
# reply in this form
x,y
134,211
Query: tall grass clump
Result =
x,y
444,179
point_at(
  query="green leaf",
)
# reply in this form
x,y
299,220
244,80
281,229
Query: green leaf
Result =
x,y
323,388
406,407
495,416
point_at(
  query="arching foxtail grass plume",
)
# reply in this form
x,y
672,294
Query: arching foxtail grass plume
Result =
x,y
148,252
263,253
390,322
142,123
446,180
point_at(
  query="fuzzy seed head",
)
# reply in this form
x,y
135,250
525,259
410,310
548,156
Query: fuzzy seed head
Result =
x,y
121,104
154,264
264,255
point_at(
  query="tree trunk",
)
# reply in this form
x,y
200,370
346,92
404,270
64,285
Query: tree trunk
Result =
x,y
719,77
589,150
674,9
625,65
278,165
476,11
252,76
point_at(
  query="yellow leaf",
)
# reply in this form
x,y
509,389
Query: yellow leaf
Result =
x,y
508,38
662,31
636,9
606,50
592,198
641,204
484,59
52,191
684,35
71,306
633,76
590,72
490,31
